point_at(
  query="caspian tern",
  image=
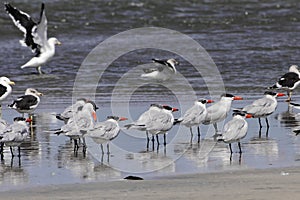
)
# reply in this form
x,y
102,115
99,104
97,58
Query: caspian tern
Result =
x,y
289,81
71,110
235,129
262,108
15,134
35,36
219,111
161,122
79,124
164,72
28,102
103,132
158,119
195,116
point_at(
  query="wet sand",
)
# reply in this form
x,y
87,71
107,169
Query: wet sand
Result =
x,y
248,184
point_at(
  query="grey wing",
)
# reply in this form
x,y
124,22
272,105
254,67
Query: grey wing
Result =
x,y
192,113
233,128
160,121
39,32
105,130
215,112
263,105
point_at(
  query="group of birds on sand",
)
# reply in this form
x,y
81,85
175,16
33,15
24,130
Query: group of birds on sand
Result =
x,y
80,120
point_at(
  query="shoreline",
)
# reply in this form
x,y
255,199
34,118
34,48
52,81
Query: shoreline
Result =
x,y
272,183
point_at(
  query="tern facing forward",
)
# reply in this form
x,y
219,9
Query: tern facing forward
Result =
x,y
35,36
289,81
164,72
219,111
235,129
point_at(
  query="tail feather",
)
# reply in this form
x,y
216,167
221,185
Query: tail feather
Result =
x,y
177,121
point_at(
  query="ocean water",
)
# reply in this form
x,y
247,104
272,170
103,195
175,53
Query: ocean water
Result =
x,y
240,47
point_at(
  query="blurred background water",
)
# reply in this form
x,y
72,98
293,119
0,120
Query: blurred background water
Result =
x,y
251,42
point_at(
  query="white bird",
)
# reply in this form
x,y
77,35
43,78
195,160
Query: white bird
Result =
x,y
71,110
289,81
28,102
158,119
195,116
263,107
235,129
5,90
35,36
79,124
103,132
15,134
164,72
5,87
161,122
219,111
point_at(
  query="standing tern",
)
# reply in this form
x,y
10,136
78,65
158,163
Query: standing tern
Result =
x,y
263,107
79,124
105,131
35,36
289,81
164,72
219,111
235,129
195,116
15,134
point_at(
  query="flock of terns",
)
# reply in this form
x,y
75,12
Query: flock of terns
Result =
x,y
80,120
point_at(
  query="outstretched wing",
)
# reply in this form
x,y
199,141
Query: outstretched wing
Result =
x,y
24,22
39,31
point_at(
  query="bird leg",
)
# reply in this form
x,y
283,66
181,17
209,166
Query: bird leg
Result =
x,y
240,147
101,146
39,69
153,140
267,123
165,143
19,151
230,148
11,151
148,140
157,140
216,128
191,135
289,96
108,152
260,126
198,129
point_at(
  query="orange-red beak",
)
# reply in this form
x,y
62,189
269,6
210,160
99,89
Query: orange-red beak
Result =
x,y
94,116
174,109
210,101
122,118
280,94
28,120
249,116
237,98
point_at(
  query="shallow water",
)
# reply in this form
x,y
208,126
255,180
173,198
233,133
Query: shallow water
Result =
x,y
251,43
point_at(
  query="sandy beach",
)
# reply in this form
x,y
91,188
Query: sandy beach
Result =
x,y
248,184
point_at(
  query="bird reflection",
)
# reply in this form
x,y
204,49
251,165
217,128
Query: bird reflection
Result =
x,y
10,173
